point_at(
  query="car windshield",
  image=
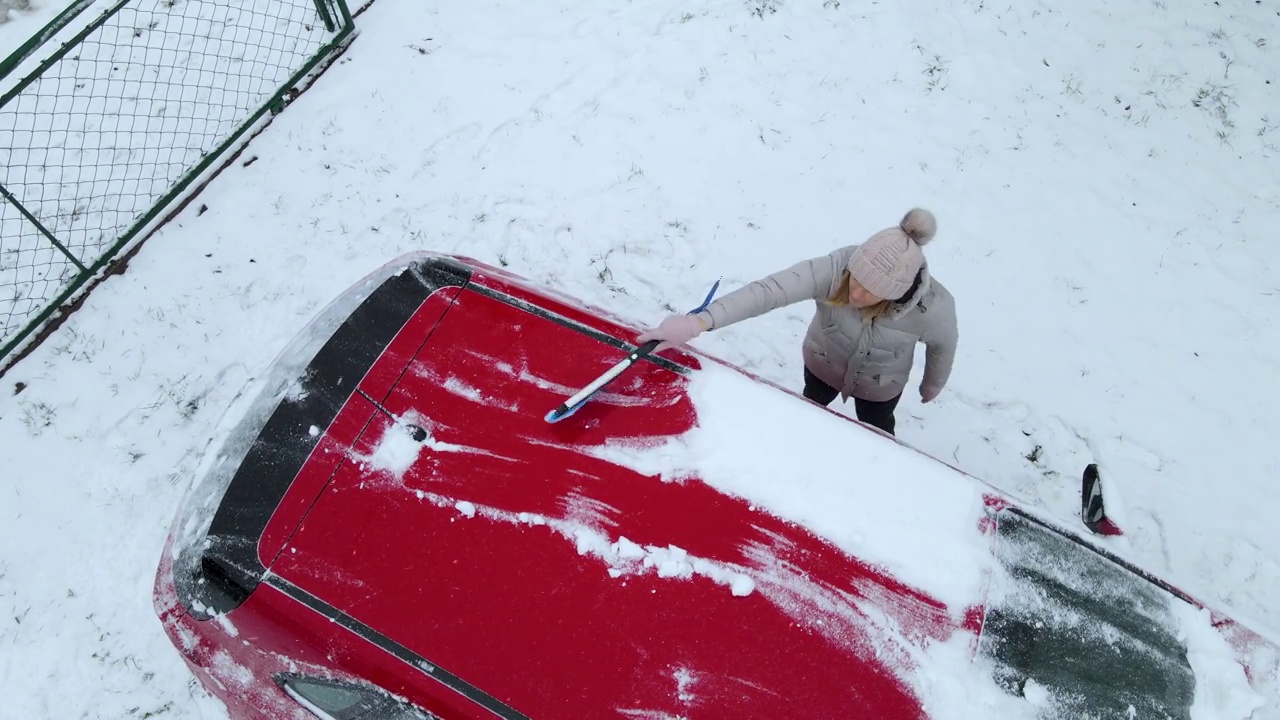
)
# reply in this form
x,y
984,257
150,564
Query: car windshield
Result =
x,y
1079,634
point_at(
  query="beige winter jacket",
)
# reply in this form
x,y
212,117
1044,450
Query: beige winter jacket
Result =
x,y
866,359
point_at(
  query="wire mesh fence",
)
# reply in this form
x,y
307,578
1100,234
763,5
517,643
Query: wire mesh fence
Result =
x,y
117,123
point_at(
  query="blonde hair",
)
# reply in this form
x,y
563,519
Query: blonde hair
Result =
x,y
841,298
841,294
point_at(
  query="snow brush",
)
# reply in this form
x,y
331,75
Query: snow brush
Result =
x,y
580,398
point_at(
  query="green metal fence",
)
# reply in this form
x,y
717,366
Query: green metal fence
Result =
x,y
126,118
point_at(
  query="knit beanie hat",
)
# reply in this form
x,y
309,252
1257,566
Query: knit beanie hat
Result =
x,y
887,263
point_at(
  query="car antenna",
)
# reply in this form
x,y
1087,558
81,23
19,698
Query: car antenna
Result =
x,y
417,432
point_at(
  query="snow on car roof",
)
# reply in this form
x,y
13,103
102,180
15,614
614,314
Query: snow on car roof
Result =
x,y
875,499
872,497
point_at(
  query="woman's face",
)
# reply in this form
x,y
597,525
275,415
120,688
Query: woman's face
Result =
x,y
859,297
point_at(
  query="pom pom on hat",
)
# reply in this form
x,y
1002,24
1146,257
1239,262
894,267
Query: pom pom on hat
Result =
x,y
919,225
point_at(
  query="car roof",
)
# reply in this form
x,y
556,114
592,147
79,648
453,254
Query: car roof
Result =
x,y
509,553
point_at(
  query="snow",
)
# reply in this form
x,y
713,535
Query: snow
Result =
x,y
1106,187
685,680
1222,690
396,451
22,23
621,557
638,714
460,388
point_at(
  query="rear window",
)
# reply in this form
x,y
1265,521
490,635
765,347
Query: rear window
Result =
x,y
1070,629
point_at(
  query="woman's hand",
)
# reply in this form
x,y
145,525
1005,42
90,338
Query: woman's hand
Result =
x,y
928,393
675,330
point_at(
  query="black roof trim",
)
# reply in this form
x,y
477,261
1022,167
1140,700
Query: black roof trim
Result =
x,y
587,330
1114,558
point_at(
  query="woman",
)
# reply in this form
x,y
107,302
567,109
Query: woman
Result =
x,y
875,301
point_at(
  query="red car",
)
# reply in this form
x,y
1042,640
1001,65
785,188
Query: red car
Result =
x,y
389,528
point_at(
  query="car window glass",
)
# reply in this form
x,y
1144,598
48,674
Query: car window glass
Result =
x,y
1100,640
337,700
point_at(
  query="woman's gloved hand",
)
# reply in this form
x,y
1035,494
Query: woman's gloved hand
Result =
x,y
929,392
676,330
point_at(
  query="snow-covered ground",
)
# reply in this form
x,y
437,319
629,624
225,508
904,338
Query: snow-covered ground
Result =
x,y
1105,179
18,23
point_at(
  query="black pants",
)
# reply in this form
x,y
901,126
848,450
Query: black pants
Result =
x,y
879,414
